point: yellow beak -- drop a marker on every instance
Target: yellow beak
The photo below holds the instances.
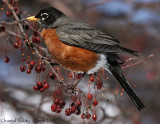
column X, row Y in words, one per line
column 32, row 18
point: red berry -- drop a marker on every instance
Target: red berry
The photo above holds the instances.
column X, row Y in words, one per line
column 78, row 76
column 20, row 43
column 70, row 75
column 21, row 49
column 99, row 85
column 62, row 103
column 83, row 116
column 42, row 90
column 92, row 79
column 2, row 28
column 28, row 61
column 8, row 14
column 16, row 45
column 39, row 84
column 32, row 63
column 51, row 75
column 6, row 59
column 46, row 85
column 56, row 101
column 95, row 102
column 35, row 87
column 58, row 110
column 36, row 40
column 54, row 107
column 30, row 67
column 35, row 33
column 15, row 8
column 38, row 69
column 28, row 71
column 88, row 115
column 78, row 103
column 89, row 96
column 22, row 68
column 68, row 112
column 72, row 104
column 94, row 117
column 78, row 112
column 73, row 109
column 23, row 59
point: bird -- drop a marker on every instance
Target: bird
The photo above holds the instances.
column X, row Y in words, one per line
column 78, row 47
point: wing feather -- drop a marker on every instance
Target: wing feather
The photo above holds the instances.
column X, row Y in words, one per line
column 84, row 36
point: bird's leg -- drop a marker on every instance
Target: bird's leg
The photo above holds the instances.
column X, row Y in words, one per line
column 73, row 76
column 72, row 88
column 47, row 58
column 50, row 60
column 53, row 64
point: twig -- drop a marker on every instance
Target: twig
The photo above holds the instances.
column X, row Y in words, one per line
column 30, row 44
column 13, row 34
column 12, row 23
column 142, row 61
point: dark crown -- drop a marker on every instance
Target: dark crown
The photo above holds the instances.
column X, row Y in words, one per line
column 49, row 10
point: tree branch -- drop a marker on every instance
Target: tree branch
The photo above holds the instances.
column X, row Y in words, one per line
column 32, row 45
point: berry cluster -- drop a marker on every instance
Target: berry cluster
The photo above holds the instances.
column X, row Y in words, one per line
column 8, row 13
column 99, row 84
column 74, row 109
column 16, row 9
column 88, row 116
column 30, row 66
column 35, row 38
column 58, row 105
column 41, row 87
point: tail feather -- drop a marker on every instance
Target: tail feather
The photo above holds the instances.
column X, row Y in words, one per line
column 118, row 74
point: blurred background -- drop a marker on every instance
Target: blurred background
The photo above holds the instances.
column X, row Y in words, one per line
column 135, row 23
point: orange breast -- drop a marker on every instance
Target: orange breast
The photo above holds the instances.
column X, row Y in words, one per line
column 69, row 57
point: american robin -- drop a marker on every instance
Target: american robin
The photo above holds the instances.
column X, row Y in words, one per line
column 79, row 47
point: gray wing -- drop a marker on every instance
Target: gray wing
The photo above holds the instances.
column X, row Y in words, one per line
column 84, row 36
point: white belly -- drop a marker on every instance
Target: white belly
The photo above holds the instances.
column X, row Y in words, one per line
column 101, row 63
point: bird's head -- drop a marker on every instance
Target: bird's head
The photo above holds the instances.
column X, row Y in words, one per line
column 47, row 16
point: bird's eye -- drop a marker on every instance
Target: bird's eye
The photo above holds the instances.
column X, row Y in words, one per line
column 44, row 15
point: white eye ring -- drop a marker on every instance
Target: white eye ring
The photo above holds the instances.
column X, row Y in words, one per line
column 44, row 16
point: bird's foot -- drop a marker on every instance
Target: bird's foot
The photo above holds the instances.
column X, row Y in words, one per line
column 49, row 60
column 71, row 89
